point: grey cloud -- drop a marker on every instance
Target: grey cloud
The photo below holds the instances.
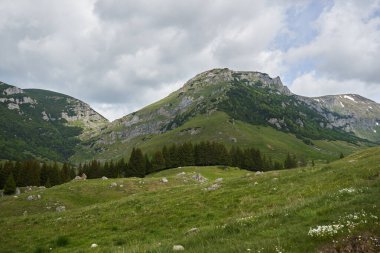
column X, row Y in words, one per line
column 123, row 55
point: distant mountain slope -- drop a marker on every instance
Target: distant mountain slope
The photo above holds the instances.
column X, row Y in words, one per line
column 42, row 124
column 350, row 112
column 252, row 98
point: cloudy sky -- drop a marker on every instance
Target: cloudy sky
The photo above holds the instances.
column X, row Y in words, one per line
column 119, row 56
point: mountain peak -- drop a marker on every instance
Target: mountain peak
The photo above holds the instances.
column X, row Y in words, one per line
column 218, row 75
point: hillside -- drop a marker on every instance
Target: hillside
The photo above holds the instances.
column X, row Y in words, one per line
column 42, row 124
column 311, row 209
column 242, row 108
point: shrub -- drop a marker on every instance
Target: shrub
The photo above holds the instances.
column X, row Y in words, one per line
column 10, row 185
column 62, row 241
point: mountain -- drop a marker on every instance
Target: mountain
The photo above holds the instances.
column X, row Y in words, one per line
column 246, row 109
column 42, row 124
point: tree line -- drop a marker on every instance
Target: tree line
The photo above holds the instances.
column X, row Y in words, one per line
column 34, row 172
column 186, row 154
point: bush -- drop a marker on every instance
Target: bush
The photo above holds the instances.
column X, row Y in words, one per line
column 10, row 185
column 62, row 241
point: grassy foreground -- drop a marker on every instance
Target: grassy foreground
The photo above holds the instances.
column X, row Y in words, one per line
column 299, row 210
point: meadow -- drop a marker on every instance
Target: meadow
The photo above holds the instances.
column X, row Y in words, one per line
column 305, row 209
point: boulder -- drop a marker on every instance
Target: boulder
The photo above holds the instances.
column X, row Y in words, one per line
column 164, row 180
column 178, row 248
column 104, row 178
column 114, row 184
column 213, row 187
column 218, row 180
column 200, row 178
column 94, row 245
column 82, row 177
column 17, row 191
column 181, row 174
column 60, row 209
column 31, row 197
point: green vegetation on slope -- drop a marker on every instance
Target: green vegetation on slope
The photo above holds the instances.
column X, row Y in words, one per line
column 273, row 210
column 33, row 124
column 24, row 137
column 219, row 127
column 256, row 105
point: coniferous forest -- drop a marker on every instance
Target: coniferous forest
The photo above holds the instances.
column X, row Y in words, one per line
column 33, row 172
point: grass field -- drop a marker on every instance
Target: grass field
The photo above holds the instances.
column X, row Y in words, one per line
column 277, row 211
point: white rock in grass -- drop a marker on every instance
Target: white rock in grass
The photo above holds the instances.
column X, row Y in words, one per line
column 218, row 180
column 199, row 178
column 212, row 187
column 181, row 174
column 33, row 197
column 178, row 248
column 164, row 180
column 60, row 209
column 104, row 178
column 192, row 231
column 94, row 245
column 114, row 184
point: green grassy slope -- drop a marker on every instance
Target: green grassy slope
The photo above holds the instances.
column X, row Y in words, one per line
column 219, row 127
column 25, row 134
column 258, row 212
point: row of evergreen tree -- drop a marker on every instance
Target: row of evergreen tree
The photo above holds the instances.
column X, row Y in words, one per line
column 34, row 172
column 186, row 154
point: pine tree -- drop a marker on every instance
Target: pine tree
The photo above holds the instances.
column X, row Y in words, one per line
column 148, row 165
column 6, row 170
column 158, row 161
column 185, row 154
column 3, row 178
column 290, row 161
column 47, row 183
column 10, row 185
column 174, row 158
column 65, row 173
column 44, row 174
column 166, row 155
column 136, row 164
column 54, row 174
column 120, row 168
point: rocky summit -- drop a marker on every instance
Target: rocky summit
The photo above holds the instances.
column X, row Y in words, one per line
column 224, row 97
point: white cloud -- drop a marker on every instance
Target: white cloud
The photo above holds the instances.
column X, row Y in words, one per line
column 348, row 42
column 311, row 84
column 119, row 56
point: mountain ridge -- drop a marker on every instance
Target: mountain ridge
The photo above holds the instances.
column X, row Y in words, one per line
column 269, row 104
column 239, row 105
